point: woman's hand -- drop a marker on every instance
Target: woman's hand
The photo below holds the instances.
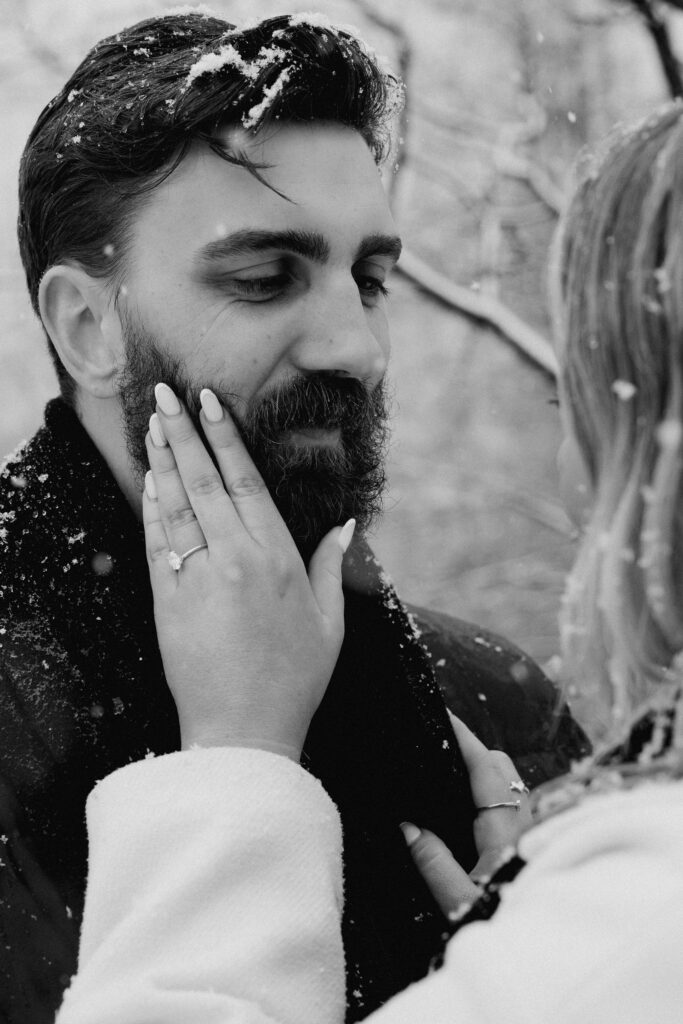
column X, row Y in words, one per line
column 493, row 780
column 248, row 638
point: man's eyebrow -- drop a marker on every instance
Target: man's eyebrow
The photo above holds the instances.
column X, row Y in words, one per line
column 380, row 245
column 250, row 241
column 310, row 244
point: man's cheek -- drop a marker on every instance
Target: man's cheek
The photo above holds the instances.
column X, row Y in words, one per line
column 383, row 339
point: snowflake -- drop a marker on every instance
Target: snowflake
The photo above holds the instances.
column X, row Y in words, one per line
column 269, row 94
column 624, row 390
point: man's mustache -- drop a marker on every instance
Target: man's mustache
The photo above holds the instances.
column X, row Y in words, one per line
column 319, row 401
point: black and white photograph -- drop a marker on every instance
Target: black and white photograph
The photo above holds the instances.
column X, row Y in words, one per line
column 341, row 512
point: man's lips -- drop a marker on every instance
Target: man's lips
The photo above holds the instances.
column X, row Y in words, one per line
column 313, row 437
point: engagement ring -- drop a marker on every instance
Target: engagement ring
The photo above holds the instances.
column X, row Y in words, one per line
column 517, row 786
column 514, row 804
column 176, row 561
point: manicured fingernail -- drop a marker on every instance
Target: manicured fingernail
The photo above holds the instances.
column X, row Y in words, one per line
column 166, row 400
column 213, row 410
column 150, row 486
column 411, row 833
column 346, row 534
column 156, row 432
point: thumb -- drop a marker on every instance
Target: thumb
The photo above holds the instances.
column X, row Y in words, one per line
column 448, row 883
column 324, row 573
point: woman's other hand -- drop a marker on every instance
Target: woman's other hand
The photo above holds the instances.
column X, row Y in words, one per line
column 248, row 638
column 494, row 780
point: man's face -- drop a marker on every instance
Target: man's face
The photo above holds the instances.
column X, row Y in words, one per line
column 275, row 302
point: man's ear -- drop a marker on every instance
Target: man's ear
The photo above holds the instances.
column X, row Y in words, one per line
column 76, row 310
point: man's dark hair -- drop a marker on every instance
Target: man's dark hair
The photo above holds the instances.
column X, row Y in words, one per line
column 130, row 111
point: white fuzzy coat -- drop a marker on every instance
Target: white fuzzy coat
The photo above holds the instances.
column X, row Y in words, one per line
column 215, row 895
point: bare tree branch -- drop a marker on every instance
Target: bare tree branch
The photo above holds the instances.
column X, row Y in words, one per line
column 466, row 122
column 518, row 165
column 454, row 120
column 506, row 160
column 660, row 34
column 404, row 56
column 512, row 165
column 462, row 188
column 525, row 338
column 490, row 236
column 538, row 180
column 479, row 307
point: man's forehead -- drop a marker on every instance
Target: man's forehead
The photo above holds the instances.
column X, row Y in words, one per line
column 318, row 180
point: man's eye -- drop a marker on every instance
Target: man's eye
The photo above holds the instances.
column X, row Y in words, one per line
column 372, row 287
column 261, row 287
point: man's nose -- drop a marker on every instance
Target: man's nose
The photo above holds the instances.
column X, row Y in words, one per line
column 338, row 338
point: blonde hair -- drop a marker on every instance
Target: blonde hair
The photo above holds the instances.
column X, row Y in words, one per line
column 618, row 295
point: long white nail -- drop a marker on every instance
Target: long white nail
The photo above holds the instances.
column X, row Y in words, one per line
column 213, row 409
column 346, row 535
column 166, row 400
column 150, row 486
column 156, row 432
column 411, row 833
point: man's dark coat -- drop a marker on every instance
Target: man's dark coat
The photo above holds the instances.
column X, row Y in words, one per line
column 82, row 692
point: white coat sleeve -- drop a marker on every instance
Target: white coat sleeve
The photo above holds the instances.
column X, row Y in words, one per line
column 590, row 931
column 214, row 895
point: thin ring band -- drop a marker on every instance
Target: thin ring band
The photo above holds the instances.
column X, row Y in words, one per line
column 504, row 803
column 176, row 561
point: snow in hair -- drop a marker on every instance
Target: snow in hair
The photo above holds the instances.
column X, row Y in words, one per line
column 227, row 56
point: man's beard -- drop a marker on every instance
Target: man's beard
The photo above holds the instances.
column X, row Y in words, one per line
column 314, row 487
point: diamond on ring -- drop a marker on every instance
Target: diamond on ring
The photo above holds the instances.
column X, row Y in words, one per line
column 517, row 786
column 176, row 561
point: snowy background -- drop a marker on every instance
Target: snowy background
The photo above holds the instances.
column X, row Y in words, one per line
column 502, row 96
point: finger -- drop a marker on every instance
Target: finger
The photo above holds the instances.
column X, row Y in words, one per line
column 498, row 780
column 244, row 483
column 156, row 542
column 496, row 831
column 471, row 747
column 325, row 576
column 486, row 782
column 503, row 785
column 448, row 883
column 189, row 485
column 175, row 508
column 493, row 774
